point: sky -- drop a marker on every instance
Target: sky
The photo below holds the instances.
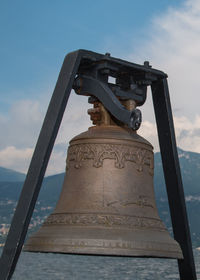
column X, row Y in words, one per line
column 36, row 35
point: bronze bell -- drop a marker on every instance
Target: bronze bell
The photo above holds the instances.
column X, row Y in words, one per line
column 107, row 204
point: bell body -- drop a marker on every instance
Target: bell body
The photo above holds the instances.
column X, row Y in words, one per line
column 107, row 204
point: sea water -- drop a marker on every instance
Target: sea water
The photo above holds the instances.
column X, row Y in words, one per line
column 40, row 266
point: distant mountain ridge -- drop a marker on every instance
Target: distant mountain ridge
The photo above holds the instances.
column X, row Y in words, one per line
column 190, row 171
column 49, row 194
column 9, row 175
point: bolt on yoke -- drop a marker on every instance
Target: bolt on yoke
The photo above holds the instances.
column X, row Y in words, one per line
column 131, row 81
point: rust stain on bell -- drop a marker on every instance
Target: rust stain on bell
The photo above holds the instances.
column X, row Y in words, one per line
column 107, row 204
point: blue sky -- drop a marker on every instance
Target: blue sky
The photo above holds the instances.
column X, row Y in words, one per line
column 36, row 35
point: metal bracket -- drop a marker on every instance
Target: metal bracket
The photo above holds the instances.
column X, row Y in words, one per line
column 99, row 67
column 92, row 80
column 87, row 86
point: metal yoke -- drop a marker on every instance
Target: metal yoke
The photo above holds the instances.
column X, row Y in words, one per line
column 88, row 72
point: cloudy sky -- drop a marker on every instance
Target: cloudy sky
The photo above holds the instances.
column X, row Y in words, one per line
column 35, row 37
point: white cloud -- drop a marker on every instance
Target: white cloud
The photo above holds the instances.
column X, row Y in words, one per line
column 173, row 46
column 22, row 126
column 187, row 133
column 17, row 159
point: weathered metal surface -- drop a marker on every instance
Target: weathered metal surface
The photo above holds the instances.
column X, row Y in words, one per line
column 107, row 204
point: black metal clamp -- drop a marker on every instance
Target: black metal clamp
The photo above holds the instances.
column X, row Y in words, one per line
column 92, row 80
column 87, row 72
column 85, row 85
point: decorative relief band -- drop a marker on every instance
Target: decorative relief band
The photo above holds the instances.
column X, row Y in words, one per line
column 104, row 220
column 120, row 153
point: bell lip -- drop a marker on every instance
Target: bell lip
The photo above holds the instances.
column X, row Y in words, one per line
column 164, row 255
column 111, row 132
column 74, row 242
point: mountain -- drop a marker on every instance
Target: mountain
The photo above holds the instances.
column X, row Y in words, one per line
column 9, row 195
column 8, row 175
column 50, row 188
column 190, row 171
column 49, row 194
